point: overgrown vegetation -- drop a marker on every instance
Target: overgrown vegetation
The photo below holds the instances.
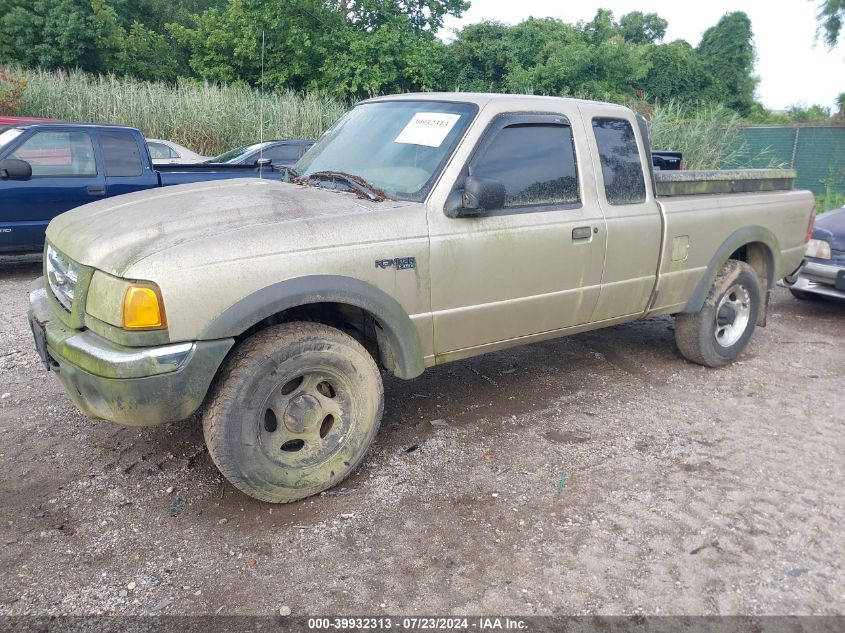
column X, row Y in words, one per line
column 211, row 118
column 206, row 117
column 708, row 135
column 358, row 48
column 832, row 196
column 11, row 92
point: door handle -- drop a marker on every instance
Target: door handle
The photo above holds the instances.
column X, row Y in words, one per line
column 582, row 232
column 95, row 190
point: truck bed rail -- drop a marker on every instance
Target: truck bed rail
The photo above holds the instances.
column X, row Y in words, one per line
column 694, row 183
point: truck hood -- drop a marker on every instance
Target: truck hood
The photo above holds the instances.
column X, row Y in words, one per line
column 830, row 227
column 113, row 234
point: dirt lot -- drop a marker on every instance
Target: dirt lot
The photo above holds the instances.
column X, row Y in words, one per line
column 596, row 474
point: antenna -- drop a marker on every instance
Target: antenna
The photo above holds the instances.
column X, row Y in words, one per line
column 261, row 114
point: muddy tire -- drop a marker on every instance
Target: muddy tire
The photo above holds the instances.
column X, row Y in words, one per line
column 717, row 334
column 293, row 412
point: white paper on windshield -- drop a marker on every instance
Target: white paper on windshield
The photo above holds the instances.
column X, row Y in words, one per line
column 427, row 128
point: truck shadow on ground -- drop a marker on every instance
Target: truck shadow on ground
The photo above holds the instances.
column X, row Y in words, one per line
column 568, row 374
column 20, row 267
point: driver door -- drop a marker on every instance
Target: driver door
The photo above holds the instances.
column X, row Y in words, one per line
column 533, row 266
column 64, row 176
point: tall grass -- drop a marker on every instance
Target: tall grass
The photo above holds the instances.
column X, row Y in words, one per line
column 208, row 118
column 709, row 136
column 212, row 118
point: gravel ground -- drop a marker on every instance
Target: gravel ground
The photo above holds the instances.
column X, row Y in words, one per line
column 600, row 474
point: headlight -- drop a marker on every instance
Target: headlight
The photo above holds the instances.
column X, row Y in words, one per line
column 131, row 305
column 818, row 249
column 62, row 275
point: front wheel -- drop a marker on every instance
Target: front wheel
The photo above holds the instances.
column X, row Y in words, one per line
column 294, row 411
column 717, row 334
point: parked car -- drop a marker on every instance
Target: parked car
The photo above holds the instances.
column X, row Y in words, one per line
column 11, row 121
column 279, row 153
column 48, row 168
column 427, row 228
column 170, row 153
column 823, row 272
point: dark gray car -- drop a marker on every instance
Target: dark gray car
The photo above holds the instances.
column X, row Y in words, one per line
column 279, row 152
column 823, row 270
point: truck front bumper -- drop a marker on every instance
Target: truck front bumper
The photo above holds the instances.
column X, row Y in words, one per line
column 136, row 386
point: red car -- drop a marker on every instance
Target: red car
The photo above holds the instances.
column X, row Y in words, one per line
column 12, row 121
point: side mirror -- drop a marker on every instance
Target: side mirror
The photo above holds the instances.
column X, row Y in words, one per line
column 264, row 162
column 480, row 196
column 15, row 169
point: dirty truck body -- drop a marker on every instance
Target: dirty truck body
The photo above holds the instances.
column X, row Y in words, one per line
column 421, row 229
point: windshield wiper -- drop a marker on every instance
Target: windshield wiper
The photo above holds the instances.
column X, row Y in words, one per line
column 371, row 192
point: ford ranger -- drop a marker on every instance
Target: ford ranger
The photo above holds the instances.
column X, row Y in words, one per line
column 421, row 229
column 46, row 169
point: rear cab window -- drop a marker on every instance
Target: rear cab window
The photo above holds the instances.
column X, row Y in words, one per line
column 121, row 155
column 621, row 167
column 534, row 157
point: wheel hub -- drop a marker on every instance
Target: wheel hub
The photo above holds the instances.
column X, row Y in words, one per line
column 303, row 414
column 732, row 315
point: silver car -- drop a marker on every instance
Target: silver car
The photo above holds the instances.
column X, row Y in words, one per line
column 170, row 153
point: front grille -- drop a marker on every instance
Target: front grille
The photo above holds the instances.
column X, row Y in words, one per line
column 62, row 275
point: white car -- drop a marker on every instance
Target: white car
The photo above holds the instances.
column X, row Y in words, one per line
column 169, row 153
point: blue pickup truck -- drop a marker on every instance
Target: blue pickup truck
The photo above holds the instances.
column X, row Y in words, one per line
column 49, row 168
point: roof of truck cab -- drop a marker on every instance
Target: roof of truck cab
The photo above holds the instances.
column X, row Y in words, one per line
column 483, row 98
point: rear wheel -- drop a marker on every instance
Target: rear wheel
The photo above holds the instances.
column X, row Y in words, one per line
column 294, row 412
column 717, row 334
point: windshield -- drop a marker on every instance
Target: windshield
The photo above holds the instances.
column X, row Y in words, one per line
column 397, row 146
column 232, row 154
column 8, row 136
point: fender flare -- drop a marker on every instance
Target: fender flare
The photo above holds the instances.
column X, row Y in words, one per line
column 736, row 240
column 399, row 332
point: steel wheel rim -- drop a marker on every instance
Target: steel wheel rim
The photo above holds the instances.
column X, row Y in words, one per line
column 732, row 315
column 305, row 419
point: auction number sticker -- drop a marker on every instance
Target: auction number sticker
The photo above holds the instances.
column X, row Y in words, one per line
column 427, row 128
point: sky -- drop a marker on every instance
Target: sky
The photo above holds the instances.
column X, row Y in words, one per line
column 792, row 66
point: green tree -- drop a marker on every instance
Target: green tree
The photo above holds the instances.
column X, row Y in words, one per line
column 675, row 72
column 727, row 55
column 146, row 55
column 591, row 59
column 831, row 16
column 89, row 34
column 393, row 58
column 808, row 114
column 225, row 45
column 642, row 28
column 345, row 47
column 479, row 57
column 51, row 34
column 422, row 15
column 601, row 28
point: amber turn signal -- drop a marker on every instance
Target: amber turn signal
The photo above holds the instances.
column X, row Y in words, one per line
column 143, row 308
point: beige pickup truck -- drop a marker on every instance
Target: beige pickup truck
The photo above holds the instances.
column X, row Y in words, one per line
column 421, row 229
